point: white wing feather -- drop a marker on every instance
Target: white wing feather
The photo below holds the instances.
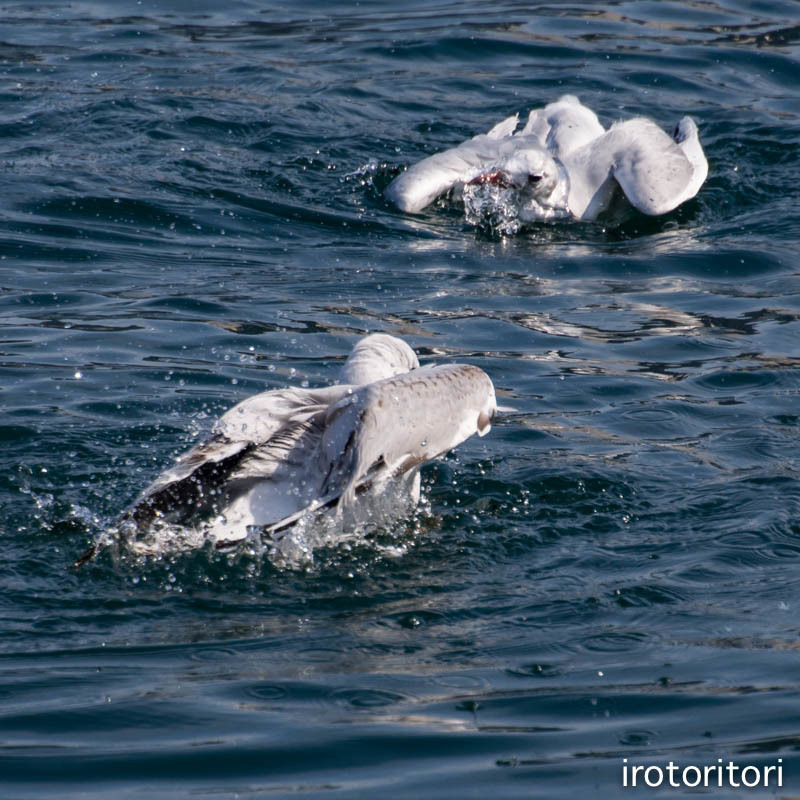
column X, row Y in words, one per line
column 563, row 126
column 650, row 167
column 504, row 128
column 417, row 187
column 688, row 139
column 258, row 418
column 423, row 182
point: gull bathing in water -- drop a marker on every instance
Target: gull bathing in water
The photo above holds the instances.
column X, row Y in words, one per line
column 563, row 164
column 282, row 455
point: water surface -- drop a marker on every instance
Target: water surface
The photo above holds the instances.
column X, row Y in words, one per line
column 191, row 212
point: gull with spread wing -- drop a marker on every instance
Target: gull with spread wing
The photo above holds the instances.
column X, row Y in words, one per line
column 564, row 164
column 281, row 455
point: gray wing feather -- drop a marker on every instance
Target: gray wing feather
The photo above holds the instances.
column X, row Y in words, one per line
column 391, row 427
column 394, row 425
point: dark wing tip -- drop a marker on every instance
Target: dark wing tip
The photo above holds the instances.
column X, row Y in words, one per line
column 84, row 558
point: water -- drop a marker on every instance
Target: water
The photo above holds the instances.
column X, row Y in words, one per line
column 192, row 212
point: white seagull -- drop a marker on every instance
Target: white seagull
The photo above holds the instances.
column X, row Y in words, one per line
column 282, row 454
column 564, row 164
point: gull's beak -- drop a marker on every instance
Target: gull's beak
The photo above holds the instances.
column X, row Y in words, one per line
column 497, row 178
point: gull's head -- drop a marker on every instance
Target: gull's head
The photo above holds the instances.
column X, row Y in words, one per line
column 530, row 171
column 376, row 357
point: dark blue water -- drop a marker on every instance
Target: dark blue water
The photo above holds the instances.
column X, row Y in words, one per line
column 191, row 212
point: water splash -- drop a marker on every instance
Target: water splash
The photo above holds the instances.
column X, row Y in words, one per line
column 378, row 522
column 493, row 209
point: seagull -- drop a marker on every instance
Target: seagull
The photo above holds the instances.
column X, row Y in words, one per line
column 563, row 165
column 282, row 455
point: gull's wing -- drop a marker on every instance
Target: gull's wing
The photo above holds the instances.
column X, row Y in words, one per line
column 378, row 432
column 247, row 442
column 688, row 139
column 394, row 425
column 563, row 126
column 256, row 419
column 651, row 168
column 422, row 183
column 504, row 128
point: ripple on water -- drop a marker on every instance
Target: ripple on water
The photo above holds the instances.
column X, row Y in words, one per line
column 535, row 671
column 615, row 641
column 649, row 415
column 637, row 738
column 367, row 698
column 213, row 654
column 268, row 692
